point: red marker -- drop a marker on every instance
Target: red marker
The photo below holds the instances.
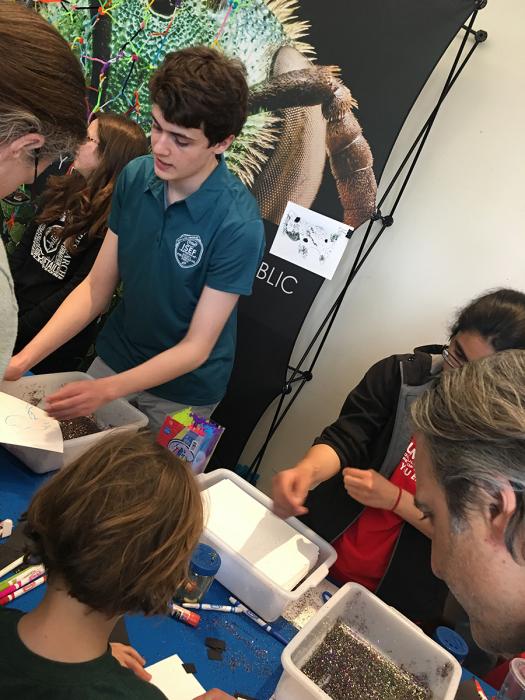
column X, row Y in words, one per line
column 25, row 589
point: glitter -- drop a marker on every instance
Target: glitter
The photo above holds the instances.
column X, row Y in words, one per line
column 301, row 611
column 345, row 666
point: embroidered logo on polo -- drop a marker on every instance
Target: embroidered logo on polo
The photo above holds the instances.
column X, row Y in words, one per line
column 188, row 250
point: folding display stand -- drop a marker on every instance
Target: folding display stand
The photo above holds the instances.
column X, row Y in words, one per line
column 303, row 371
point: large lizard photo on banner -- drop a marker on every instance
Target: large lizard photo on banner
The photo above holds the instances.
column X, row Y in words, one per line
column 301, row 113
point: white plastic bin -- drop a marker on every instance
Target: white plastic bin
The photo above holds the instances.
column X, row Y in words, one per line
column 251, row 586
column 387, row 630
column 119, row 414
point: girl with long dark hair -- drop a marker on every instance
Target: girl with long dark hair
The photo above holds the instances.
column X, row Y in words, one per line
column 59, row 249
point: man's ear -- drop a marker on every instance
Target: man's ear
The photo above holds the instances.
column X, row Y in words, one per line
column 500, row 510
column 223, row 145
column 23, row 145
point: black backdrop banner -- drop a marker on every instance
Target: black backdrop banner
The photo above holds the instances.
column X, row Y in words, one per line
column 386, row 50
column 269, row 322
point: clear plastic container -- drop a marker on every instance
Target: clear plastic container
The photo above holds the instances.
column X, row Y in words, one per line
column 513, row 687
column 205, row 563
column 244, row 581
column 116, row 415
column 390, row 632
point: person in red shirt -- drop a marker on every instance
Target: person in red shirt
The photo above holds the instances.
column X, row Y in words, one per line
column 365, row 548
column 356, row 485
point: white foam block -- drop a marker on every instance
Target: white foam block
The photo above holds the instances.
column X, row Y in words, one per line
column 255, row 533
column 170, row 677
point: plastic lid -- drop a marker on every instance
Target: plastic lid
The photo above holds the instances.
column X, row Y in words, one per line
column 452, row 642
column 205, row 561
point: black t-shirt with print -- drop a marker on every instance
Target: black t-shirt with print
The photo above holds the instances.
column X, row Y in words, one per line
column 44, row 273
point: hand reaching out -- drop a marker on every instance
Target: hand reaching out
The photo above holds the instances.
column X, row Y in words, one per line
column 130, row 658
column 289, row 491
column 370, row 488
column 79, row 398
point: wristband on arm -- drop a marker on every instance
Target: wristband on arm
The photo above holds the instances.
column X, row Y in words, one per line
column 397, row 499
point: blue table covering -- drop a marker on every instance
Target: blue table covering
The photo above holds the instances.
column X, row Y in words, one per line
column 251, row 663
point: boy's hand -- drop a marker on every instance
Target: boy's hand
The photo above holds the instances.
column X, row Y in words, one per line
column 80, row 398
column 130, row 658
column 215, row 694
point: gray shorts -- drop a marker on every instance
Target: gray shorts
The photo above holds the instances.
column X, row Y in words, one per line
column 154, row 407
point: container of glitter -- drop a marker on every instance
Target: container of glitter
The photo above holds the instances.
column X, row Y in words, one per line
column 387, row 634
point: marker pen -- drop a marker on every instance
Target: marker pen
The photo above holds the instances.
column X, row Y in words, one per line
column 259, row 621
column 11, row 566
column 210, row 606
column 4, row 600
column 16, row 582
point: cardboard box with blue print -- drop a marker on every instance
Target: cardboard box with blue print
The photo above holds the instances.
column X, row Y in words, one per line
column 190, row 437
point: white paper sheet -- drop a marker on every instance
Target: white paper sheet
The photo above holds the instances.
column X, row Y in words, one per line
column 29, row 426
column 255, row 533
column 170, row 677
column 310, row 240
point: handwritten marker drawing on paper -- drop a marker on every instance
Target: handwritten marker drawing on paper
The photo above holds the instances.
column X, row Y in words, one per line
column 29, row 426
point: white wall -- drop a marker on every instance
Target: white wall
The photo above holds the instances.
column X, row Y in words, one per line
column 459, row 229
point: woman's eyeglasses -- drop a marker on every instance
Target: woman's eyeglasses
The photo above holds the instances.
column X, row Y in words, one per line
column 451, row 359
column 36, row 156
column 20, row 196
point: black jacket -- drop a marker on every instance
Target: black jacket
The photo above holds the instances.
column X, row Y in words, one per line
column 44, row 273
column 372, row 432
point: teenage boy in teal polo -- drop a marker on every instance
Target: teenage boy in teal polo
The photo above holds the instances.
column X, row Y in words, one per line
column 186, row 238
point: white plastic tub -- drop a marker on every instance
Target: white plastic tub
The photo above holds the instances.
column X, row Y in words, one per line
column 387, row 630
column 118, row 414
column 251, row 586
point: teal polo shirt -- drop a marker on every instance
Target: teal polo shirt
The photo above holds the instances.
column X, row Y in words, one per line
column 166, row 256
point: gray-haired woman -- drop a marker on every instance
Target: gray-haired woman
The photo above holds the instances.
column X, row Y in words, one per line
column 42, row 115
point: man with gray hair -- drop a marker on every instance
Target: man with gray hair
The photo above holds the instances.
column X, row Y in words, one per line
column 470, row 465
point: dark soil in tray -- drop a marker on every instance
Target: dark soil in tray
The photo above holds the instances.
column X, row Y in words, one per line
column 78, row 427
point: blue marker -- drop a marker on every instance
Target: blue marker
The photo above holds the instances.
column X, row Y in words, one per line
column 258, row 620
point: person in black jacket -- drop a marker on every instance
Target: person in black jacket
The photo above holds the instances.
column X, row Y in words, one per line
column 368, row 510
column 58, row 250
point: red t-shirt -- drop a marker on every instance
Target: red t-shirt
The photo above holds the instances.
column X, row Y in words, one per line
column 365, row 548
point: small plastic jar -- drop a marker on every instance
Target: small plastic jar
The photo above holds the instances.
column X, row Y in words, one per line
column 513, row 687
column 205, row 562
